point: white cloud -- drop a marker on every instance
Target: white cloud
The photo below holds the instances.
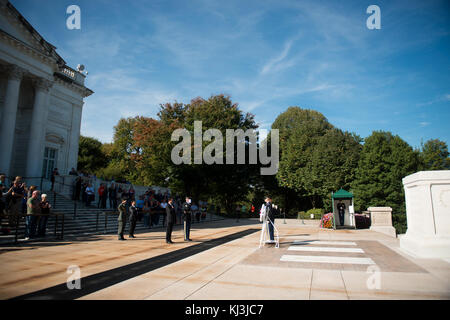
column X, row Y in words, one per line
column 275, row 61
column 441, row 98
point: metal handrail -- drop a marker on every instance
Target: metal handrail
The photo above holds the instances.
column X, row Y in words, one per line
column 55, row 214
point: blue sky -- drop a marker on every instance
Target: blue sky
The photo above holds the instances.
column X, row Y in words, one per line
column 267, row 55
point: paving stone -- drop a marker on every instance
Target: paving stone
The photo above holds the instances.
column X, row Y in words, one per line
column 237, row 269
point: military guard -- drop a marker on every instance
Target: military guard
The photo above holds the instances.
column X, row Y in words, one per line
column 122, row 219
column 187, row 216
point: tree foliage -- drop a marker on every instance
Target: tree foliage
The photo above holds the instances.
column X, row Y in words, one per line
column 315, row 157
column 145, row 150
column 385, row 160
column 90, row 155
column 434, row 155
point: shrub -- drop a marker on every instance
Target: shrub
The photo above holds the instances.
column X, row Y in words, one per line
column 307, row 215
column 399, row 222
column 301, row 215
column 318, row 213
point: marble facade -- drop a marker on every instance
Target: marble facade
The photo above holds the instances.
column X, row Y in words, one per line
column 41, row 101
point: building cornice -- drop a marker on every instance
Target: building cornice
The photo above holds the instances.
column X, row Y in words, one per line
column 13, row 71
column 83, row 91
column 20, row 22
column 27, row 49
column 63, row 74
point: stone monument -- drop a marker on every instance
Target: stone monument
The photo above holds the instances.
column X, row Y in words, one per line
column 427, row 195
column 381, row 220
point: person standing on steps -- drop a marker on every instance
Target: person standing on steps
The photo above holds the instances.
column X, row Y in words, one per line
column 43, row 219
column 187, row 216
column 171, row 217
column 33, row 209
column 112, row 194
column 122, row 219
column 52, row 177
column 78, row 188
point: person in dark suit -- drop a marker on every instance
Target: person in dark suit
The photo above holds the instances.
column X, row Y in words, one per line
column 122, row 219
column 171, row 217
column 112, row 194
column 133, row 218
column 341, row 211
column 187, row 216
column 78, row 188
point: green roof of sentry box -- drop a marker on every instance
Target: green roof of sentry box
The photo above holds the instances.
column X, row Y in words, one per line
column 342, row 194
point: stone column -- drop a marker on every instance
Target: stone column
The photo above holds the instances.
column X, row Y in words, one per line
column 381, row 220
column 427, row 196
column 8, row 121
column 74, row 135
column 37, row 128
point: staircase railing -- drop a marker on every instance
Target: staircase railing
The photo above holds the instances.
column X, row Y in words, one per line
column 17, row 219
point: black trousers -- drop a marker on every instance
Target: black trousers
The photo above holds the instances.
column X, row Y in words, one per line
column 132, row 226
column 121, row 228
column 169, row 231
column 187, row 229
column 341, row 217
column 113, row 203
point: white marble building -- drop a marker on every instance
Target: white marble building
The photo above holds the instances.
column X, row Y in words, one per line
column 41, row 101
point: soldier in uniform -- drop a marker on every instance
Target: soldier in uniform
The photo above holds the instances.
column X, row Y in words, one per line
column 122, row 219
column 341, row 211
column 268, row 209
column 187, row 212
column 133, row 218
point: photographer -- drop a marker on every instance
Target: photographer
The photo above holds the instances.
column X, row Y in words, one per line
column 14, row 200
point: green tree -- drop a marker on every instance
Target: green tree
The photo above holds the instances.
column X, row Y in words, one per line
column 315, row 157
column 434, row 155
column 299, row 130
column 384, row 161
column 332, row 164
column 90, row 155
column 121, row 151
column 225, row 183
